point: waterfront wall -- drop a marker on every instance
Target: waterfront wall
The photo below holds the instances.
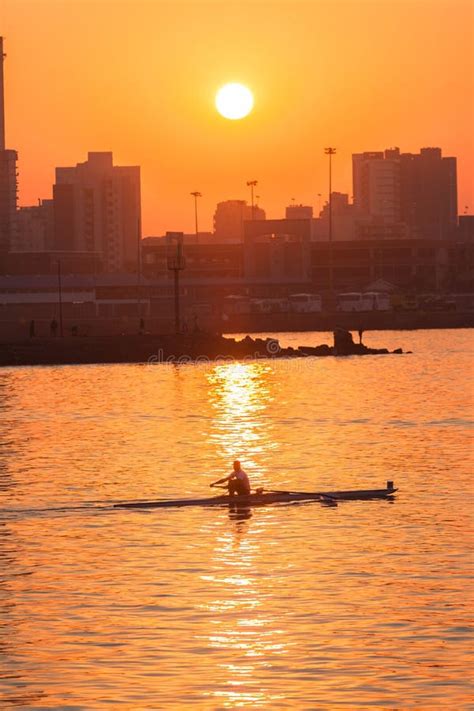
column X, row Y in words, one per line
column 19, row 329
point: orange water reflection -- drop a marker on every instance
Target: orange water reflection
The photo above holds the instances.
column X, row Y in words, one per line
column 244, row 630
column 240, row 396
column 363, row 605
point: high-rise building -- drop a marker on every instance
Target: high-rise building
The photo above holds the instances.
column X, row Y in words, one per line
column 97, row 209
column 376, row 184
column 8, row 175
column 418, row 190
column 34, row 228
column 229, row 219
column 428, row 193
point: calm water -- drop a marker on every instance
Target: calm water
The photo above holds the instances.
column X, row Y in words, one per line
column 290, row 606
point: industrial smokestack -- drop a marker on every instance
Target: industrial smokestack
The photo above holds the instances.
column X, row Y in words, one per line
column 2, row 99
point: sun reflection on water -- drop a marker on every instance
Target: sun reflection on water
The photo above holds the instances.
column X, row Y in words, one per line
column 240, row 395
column 243, row 630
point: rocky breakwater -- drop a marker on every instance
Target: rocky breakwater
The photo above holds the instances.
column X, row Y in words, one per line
column 270, row 348
column 155, row 349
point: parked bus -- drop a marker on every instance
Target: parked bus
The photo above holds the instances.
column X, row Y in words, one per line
column 270, row 306
column 305, row 303
column 351, row 301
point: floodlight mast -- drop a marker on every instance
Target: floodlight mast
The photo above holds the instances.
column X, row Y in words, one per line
column 176, row 264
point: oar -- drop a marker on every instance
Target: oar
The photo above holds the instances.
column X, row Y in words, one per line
column 219, row 481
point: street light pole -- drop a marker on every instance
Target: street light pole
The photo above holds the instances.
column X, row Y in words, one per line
column 330, row 152
column 252, row 184
column 176, row 263
column 60, row 300
column 139, row 275
column 196, row 194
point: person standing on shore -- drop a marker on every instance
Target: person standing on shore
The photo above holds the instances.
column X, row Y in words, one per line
column 361, row 333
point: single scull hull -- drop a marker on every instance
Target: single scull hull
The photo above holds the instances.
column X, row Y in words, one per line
column 264, row 498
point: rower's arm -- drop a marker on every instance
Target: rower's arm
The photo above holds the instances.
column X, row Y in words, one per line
column 221, row 481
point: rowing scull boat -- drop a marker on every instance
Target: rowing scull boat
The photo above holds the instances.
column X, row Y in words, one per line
column 266, row 497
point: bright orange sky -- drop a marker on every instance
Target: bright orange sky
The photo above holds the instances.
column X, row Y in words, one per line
column 138, row 77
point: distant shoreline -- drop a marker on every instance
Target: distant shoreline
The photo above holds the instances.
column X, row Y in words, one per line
column 150, row 349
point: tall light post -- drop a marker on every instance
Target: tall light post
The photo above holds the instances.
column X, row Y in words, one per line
column 139, row 274
column 176, row 263
column 196, row 194
column 252, row 184
column 60, row 300
column 330, row 152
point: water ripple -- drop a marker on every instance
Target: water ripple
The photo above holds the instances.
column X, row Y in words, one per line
column 366, row 605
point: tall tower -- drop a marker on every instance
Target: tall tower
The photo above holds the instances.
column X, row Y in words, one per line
column 8, row 173
column 2, row 99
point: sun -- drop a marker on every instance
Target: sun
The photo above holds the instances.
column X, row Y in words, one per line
column 234, row 101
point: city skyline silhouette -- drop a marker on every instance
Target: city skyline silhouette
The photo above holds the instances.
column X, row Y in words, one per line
column 141, row 80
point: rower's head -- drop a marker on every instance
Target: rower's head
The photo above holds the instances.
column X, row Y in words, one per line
column 236, row 465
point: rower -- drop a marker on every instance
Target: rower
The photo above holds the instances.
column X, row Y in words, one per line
column 237, row 481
